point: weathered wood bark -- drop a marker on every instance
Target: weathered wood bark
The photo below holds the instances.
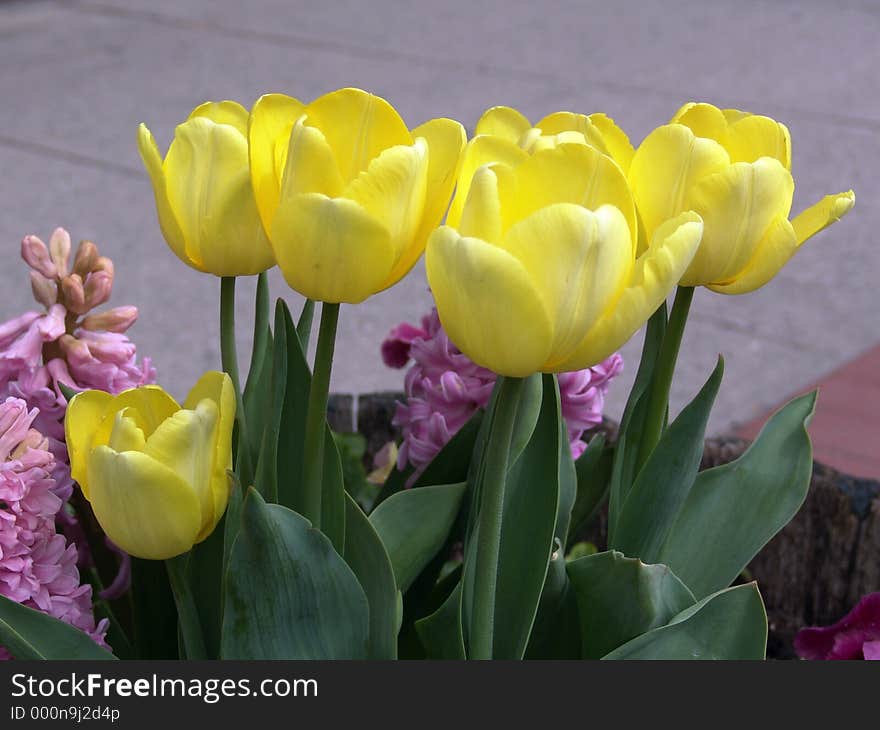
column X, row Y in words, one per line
column 812, row 573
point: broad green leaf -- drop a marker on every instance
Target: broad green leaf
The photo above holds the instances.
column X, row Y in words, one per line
column 730, row 624
column 366, row 556
column 304, row 324
column 333, row 494
column 440, row 633
column 619, row 598
column 531, row 502
column 256, row 391
column 292, row 423
column 626, row 450
column 557, row 632
column 735, row 509
column 289, row 595
column 665, row 480
column 414, row 524
column 31, row 634
column 154, row 615
column 527, row 413
column 204, row 573
column 593, row 471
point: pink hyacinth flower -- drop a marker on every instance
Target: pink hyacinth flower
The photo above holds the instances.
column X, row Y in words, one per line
column 444, row 388
column 38, row 568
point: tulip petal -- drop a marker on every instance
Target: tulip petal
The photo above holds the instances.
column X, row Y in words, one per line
column 358, row 126
column 217, row 387
column 664, row 168
column 577, row 174
column 223, row 112
column 309, row 165
column 504, row 122
column 142, row 505
column 488, row 304
column 271, row 119
column 185, row 443
column 578, row 260
column 331, row 249
column 737, row 206
column 777, row 246
column 616, row 140
column 481, row 217
column 822, row 214
column 704, row 120
column 654, row 275
column 561, row 122
column 392, row 190
column 85, row 412
column 126, row 434
column 446, row 140
column 168, row 223
column 482, row 150
column 209, row 187
column 754, row 136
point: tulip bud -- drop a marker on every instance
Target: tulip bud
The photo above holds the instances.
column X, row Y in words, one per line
column 44, row 290
column 97, row 289
column 74, row 295
column 86, row 257
column 113, row 320
column 59, row 247
column 35, row 253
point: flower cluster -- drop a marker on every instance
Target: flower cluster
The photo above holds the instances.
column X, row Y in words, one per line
column 444, row 388
column 67, row 343
column 37, row 564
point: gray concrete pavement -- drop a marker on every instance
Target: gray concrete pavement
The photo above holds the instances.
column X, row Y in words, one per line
column 78, row 76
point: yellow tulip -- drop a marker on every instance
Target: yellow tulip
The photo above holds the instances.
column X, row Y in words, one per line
column 154, row 473
column 734, row 169
column 347, row 193
column 204, row 199
column 541, row 270
column 504, row 135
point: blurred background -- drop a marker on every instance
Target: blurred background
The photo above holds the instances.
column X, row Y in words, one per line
column 79, row 75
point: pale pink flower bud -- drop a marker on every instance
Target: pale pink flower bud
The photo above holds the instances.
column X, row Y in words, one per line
column 36, row 255
column 103, row 264
column 113, row 320
column 59, row 247
column 74, row 294
column 45, row 291
column 86, row 258
column 98, row 287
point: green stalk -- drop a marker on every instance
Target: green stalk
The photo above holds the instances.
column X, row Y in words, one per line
column 661, row 382
column 496, row 460
column 229, row 360
column 316, row 416
column 187, row 613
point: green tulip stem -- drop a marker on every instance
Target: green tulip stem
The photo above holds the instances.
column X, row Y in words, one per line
column 497, row 456
column 187, row 613
column 229, row 360
column 316, row 416
column 661, row 382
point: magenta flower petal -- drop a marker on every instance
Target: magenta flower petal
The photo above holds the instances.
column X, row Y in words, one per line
column 845, row 639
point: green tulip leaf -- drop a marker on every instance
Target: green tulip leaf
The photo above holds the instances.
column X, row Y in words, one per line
column 527, row 413
column 530, row 511
column 557, row 632
column 333, row 494
column 31, row 634
column 288, row 593
column 730, row 624
column 450, row 466
column 665, row 480
column 366, row 556
column 154, row 615
column 414, row 524
column 440, row 633
column 631, row 424
column 619, row 598
column 735, row 509
column 593, row 472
